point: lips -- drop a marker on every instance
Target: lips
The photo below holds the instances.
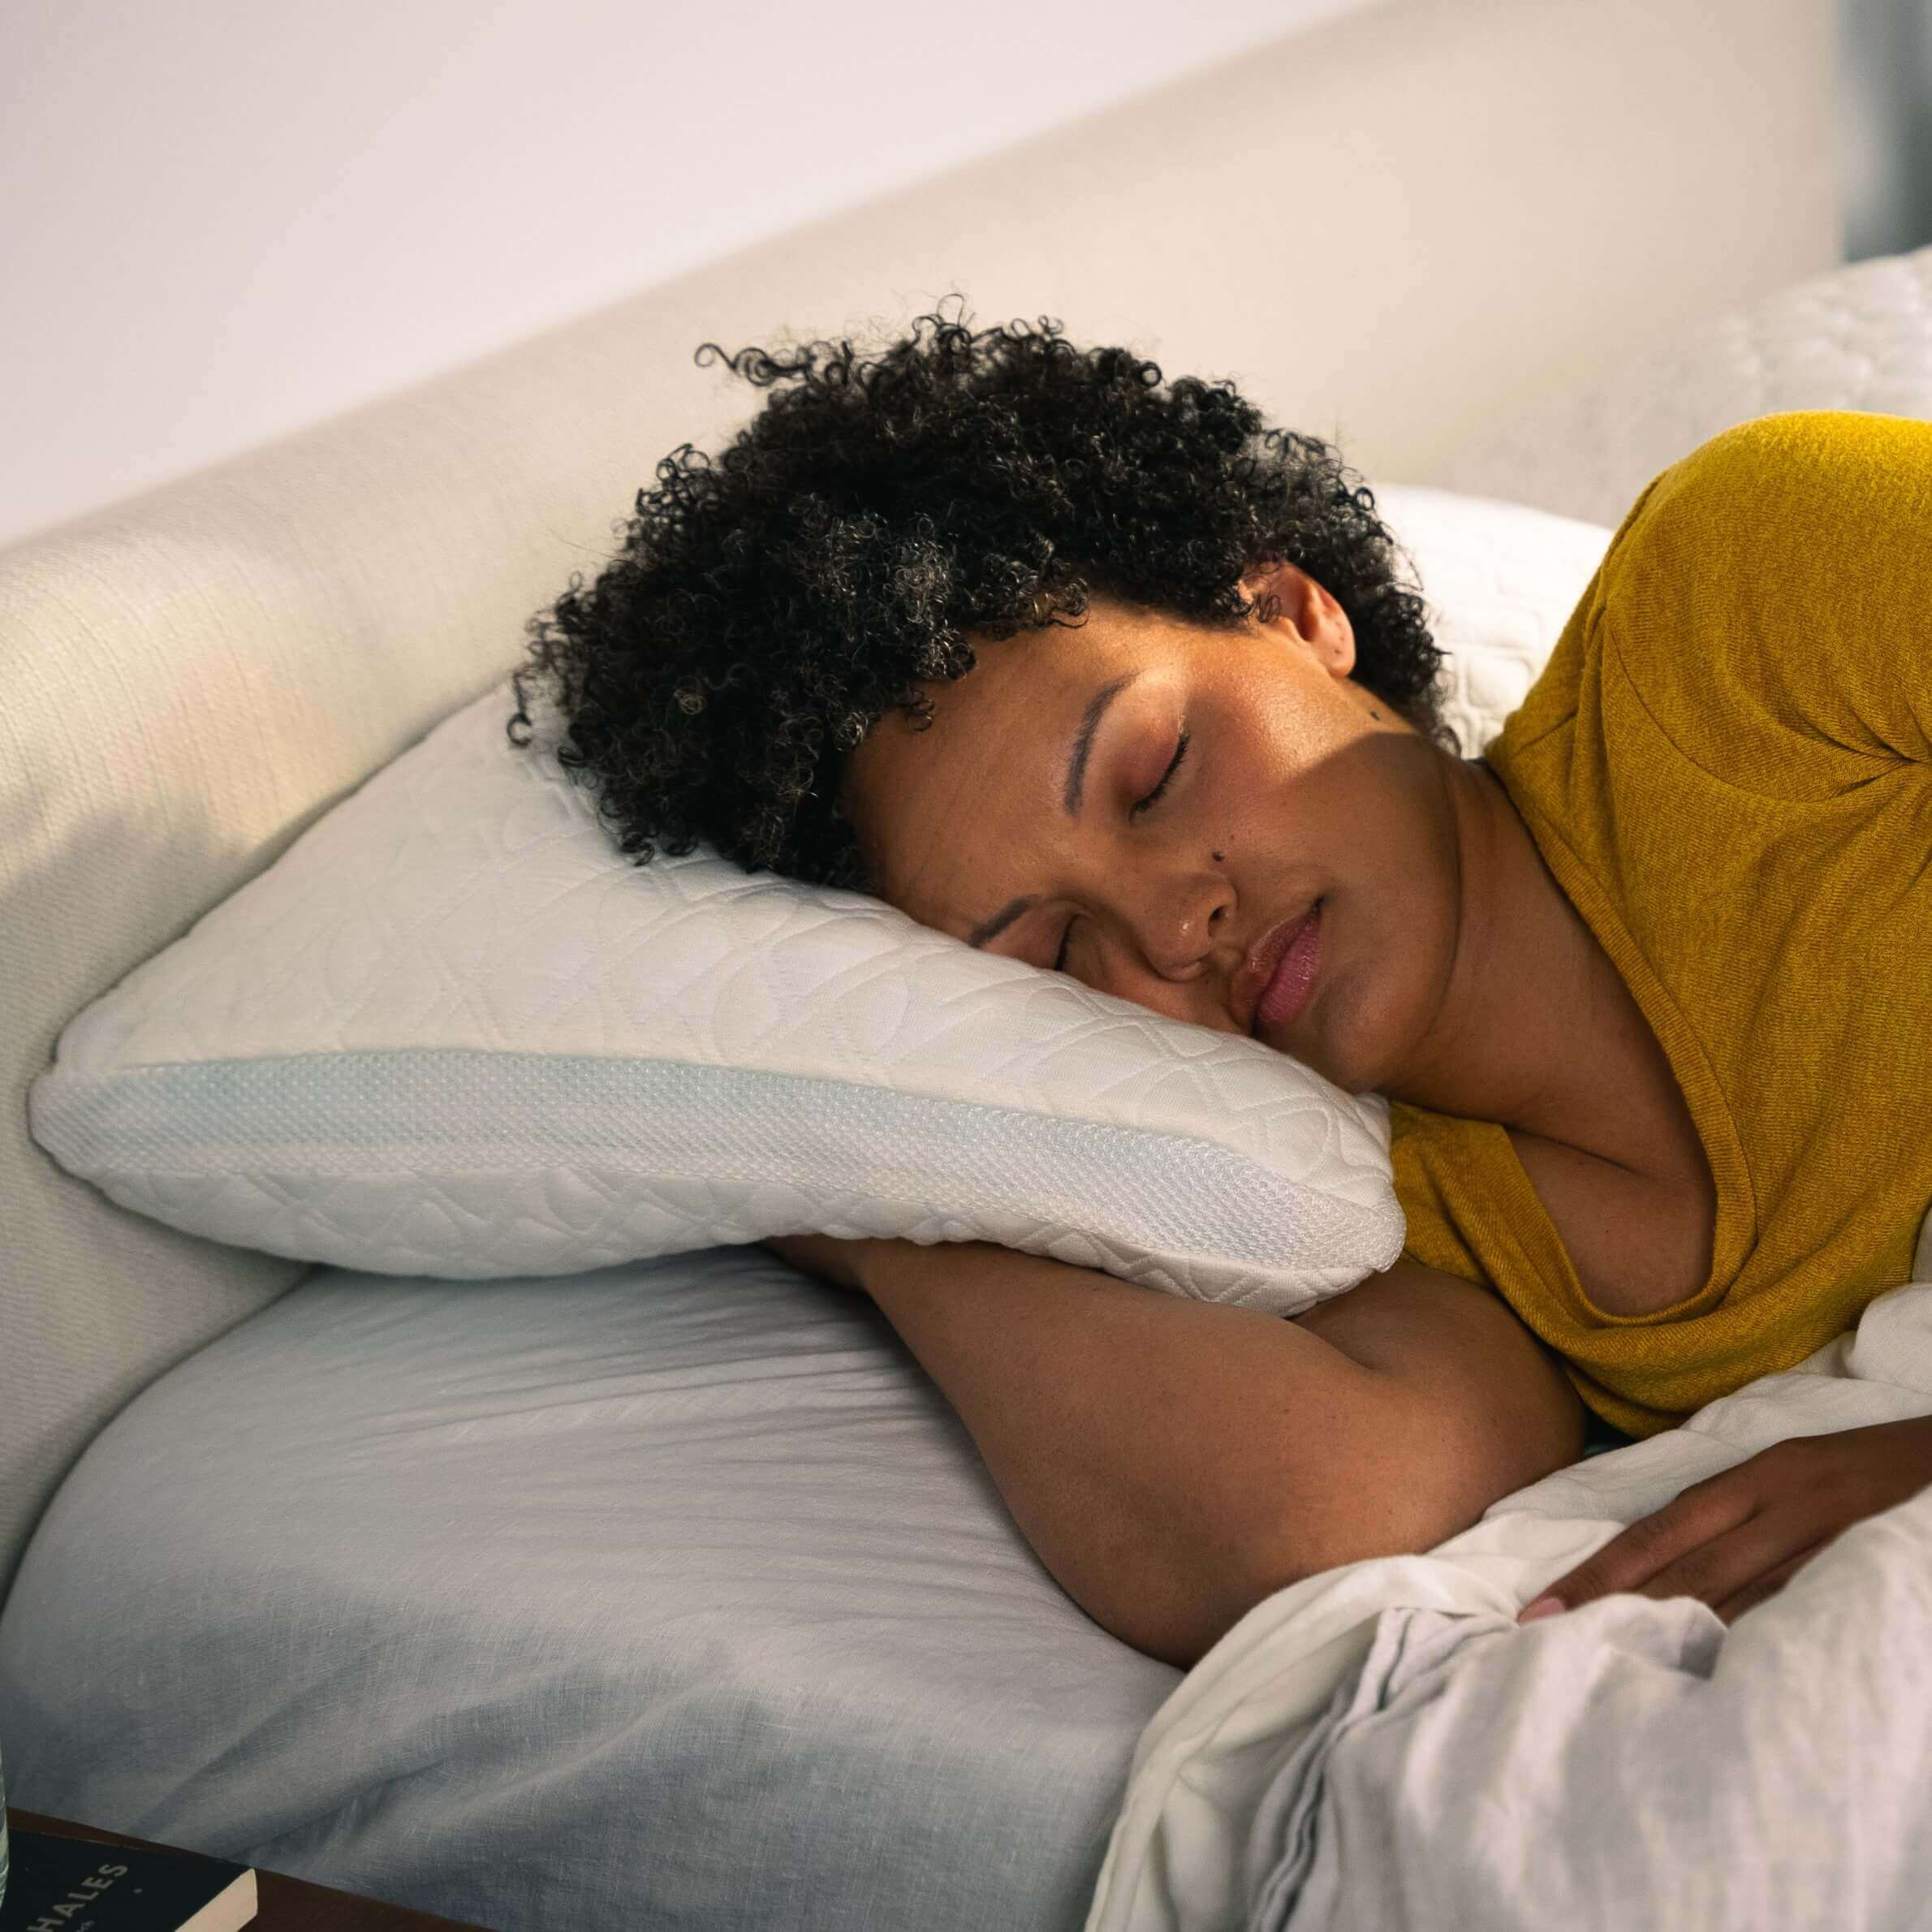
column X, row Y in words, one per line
column 1259, row 967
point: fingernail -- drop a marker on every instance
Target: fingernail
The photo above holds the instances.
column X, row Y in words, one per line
column 1543, row 1607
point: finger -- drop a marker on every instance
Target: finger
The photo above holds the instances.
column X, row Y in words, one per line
column 1701, row 1513
column 1714, row 1571
column 1769, row 1584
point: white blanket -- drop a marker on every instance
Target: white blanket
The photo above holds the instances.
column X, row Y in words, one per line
column 1382, row 1746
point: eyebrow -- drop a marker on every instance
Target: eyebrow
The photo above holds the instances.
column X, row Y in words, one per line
column 1083, row 739
column 991, row 928
column 1070, row 798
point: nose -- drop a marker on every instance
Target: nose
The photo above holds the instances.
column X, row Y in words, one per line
column 1181, row 920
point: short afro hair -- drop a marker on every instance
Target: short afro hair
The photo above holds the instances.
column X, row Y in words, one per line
column 768, row 607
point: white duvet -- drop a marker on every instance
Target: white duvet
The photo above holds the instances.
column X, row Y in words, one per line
column 1382, row 1746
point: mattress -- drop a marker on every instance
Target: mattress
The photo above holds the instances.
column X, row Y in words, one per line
column 672, row 1593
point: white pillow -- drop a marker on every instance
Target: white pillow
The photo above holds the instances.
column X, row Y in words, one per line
column 453, row 1032
column 1500, row 579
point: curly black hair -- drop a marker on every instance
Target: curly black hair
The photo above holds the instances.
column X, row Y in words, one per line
column 768, row 608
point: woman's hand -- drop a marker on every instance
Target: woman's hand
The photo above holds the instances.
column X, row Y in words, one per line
column 1738, row 1537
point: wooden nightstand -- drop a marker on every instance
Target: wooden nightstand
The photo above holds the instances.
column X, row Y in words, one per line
column 286, row 1904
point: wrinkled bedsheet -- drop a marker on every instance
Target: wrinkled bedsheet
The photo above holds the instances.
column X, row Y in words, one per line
column 1382, row 1746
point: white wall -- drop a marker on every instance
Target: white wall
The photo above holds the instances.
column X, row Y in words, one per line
column 220, row 219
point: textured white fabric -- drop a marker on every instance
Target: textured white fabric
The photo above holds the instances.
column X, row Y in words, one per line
column 1860, row 338
column 1640, row 1764
column 1513, row 1798
column 454, row 1031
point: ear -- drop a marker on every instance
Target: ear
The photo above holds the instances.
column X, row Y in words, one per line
column 1306, row 608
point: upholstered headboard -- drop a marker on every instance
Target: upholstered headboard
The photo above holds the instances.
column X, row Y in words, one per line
column 1386, row 229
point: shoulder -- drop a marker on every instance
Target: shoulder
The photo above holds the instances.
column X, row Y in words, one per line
column 1822, row 467
column 1759, row 601
column 1793, row 446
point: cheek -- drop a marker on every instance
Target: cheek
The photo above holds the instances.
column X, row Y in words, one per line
column 1250, row 782
column 1312, row 800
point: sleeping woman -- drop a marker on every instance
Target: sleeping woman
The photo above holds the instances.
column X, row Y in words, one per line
column 1098, row 671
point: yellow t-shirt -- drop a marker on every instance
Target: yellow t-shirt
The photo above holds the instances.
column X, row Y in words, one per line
column 1725, row 766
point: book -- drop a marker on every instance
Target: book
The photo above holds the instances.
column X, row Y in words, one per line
column 80, row 1885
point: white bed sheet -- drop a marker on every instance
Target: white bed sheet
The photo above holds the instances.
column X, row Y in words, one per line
column 670, row 1594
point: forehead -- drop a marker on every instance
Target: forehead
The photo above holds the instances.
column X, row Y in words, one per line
column 945, row 815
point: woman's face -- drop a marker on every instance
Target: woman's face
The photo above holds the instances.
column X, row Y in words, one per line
column 1140, row 801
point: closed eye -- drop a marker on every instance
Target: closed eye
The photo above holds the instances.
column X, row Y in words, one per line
column 1134, row 811
column 1180, row 752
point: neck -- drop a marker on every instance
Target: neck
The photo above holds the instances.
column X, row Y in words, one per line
column 1532, row 999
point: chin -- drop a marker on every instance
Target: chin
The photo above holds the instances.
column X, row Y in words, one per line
column 1332, row 1067
column 1311, row 1049
column 1338, row 1041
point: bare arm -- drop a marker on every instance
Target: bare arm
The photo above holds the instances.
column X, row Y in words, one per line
column 1173, row 1462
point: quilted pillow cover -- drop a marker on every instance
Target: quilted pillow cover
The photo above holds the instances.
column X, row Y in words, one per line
column 453, row 1032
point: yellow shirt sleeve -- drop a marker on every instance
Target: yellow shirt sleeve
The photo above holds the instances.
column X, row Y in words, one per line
column 1769, row 596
